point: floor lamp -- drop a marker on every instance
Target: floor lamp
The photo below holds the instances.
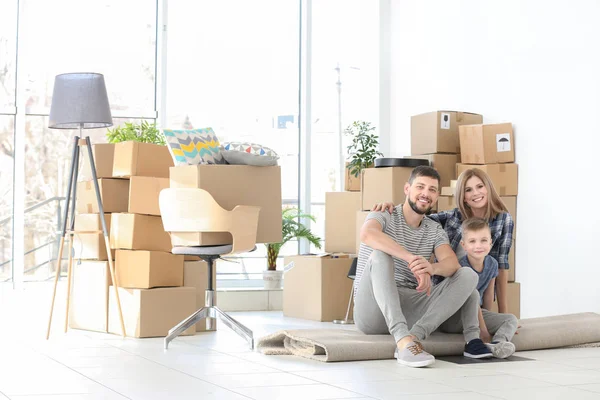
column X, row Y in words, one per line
column 80, row 101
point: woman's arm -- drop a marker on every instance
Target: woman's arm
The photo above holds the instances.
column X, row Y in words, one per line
column 488, row 295
column 505, row 243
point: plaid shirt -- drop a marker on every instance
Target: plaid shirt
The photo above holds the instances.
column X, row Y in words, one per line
column 501, row 227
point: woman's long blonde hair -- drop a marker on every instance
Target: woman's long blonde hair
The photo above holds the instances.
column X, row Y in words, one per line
column 494, row 204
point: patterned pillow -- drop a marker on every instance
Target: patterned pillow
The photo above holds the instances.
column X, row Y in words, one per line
column 194, row 146
column 244, row 153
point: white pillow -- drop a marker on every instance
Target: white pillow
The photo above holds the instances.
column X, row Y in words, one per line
column 244, row 153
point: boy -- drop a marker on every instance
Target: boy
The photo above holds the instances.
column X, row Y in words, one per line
column 477, row 243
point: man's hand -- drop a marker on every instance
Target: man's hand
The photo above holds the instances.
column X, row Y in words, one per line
column 383, row 206
column 424, row 283
column 420, row 265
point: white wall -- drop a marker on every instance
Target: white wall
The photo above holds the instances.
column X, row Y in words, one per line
column 537, row 65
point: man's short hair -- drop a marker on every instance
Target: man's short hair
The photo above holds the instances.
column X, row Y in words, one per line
column 425, row 171
column 474, row 224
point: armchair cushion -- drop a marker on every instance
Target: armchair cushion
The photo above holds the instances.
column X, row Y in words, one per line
column 194, row 146
column 244, row 153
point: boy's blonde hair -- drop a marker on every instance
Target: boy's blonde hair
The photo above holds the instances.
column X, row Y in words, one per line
column 494, row 204
column 474, row 224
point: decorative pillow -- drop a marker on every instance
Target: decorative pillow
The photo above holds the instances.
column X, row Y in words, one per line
column 194, row 146
column 243, row 153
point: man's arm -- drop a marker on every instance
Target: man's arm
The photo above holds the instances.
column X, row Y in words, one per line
column 447, row 263
column 488, row 295
column 372, row 235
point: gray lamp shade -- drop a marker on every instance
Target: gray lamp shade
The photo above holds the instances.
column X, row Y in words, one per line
column 79, row 100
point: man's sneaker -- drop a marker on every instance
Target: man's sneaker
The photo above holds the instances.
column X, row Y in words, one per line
column 476, row 349
column 501, row 349
column 414, row 356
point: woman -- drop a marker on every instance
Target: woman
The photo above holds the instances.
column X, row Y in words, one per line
column 476, row 197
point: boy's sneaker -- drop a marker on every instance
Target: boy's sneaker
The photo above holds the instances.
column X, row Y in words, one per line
column 501, row 349
column 414, row 356
column 477, row 349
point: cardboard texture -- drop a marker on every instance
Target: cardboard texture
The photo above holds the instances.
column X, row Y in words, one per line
column 114, row 194
column 230, row 186
column 141, row 159
column 91, row 223
column 444, row 164
column 514, row 300
column 89, row 296
column 340, row 221
column 511, row 203
column 143, row 194
column 437, row 132
column 103, row 160
column 316, row 288
column 383, row 185
column 141, row 269
column 503, row 176
column 151, row 312
column 195, row 275
column 487, row 144
column 138, row 232
column 360, row 220
column 351, row 182
column 447, row 191
column 446, row 203
column 90, row 246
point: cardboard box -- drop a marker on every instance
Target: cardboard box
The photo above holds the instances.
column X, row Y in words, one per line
column 316, row 288
column 511, row 203
column 340, row 221
column 143, row 194
column 195, row 274
column 230, row 186
column 138, row 232
column 141, row 159
column 142, row 269
column 103, row 160
column 89, row 296
column 503, row 176
column 514, row 300
column 151, row 312
column 91, row 223
column 444, row 164
column 361, row 216
column 487, row 144
column 446, row 203
column 90, row 246
column 114, row 194
column 437, row 132
column 384, row 185
column 351, row 182
column 447, row 191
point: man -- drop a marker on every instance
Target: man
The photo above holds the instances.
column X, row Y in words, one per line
column 393, row 290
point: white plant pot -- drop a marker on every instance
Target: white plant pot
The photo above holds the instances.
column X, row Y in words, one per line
column 272, row 279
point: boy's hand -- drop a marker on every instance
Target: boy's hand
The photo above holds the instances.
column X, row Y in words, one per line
column 383, row 206
column 485, row 336
column 420, row 265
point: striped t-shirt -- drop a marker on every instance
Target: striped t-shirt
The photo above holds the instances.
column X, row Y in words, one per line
column 420, row 241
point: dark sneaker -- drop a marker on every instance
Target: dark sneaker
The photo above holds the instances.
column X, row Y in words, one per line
column 414, row 356
column 477, row 349
column 501, row 349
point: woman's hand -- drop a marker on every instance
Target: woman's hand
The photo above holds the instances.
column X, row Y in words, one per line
column 384, row 206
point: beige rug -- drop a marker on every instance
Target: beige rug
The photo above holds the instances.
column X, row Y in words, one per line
column 351, row 345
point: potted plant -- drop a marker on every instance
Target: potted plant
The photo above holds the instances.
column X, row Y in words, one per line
column 144, row 132
column 291, row 228
column 362, row 152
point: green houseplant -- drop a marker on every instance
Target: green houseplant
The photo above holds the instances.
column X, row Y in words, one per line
column 363, row 150
column 144, row 132
column 291, row 229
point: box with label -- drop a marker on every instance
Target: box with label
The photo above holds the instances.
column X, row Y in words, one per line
column 361, row 216
column 141, row 159
column 340, row 225
column 142, row 269
column 138, row 232
column 151, row 312
column 316, row 288
column 503, row 176
column 487, row 144
column 513, row 299
column 90, row 246
column 89, row 296
column 103, row 160
column 143, row 194
column 384, row 185
column 444, row 164
column 195, row 275
column 114, row 194
column 437, row 132
column 230, row 186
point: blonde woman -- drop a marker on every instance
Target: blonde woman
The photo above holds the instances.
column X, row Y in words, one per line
column 476, row 197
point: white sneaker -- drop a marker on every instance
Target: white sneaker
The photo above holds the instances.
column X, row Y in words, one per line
column 414, row 356
column 501, row 349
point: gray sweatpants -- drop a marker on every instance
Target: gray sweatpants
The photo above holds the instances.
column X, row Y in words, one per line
column 380, row 307
column 502, row 327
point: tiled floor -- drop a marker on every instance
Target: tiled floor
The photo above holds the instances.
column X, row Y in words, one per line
column 217, row 365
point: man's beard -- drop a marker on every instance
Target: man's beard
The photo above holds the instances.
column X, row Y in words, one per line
column 416, row 209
